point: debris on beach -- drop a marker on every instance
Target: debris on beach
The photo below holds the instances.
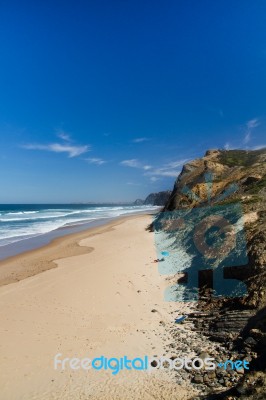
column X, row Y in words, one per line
column 180, row 319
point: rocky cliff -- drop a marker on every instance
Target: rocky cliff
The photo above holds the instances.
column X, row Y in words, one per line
column 224, row 178
column 138, row 202
column 246, row 169
column 230, row 177
column 155, row 199
column 158, row 199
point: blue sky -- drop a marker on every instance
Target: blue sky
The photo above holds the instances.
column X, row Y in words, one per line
column 105, row 100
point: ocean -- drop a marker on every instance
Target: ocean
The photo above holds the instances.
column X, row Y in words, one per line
column 25, row 222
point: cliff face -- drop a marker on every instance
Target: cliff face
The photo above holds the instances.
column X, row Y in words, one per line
column 158, row 199
column 138, row 202
column 224, row 178
column 246, row 169
column 155, row 199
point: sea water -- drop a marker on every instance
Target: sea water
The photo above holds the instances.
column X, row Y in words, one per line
column 21, row 222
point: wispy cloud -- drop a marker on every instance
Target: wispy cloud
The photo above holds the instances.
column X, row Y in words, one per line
column 67, row 146
column 250, row 125
column 178, row 163
column 140, row 140
column 247, row 132
column 96, row 161
column 64, row 136
column 253, row 123
column 258, row 147
column 247, row 138
column 164, row 172
column 154, row 179
column 71, row 150
column 170, row 169
column 134, row 163
column 227, row 146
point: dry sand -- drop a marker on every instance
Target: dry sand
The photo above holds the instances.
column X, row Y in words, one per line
column 95, row 303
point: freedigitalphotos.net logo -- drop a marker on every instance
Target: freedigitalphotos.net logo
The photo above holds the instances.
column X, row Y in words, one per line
column 146, row 363
column 201, row 243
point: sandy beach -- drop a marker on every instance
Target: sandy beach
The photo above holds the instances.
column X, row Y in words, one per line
column 94, row 297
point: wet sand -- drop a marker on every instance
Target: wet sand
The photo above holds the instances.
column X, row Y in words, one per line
column 94, row 297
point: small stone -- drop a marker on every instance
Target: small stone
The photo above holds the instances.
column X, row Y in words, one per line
column 240, row 371
column 198, row 379
column 173, row 358
column 211, row 375
column 250, row 341
column 154, row 363
column 203, row 355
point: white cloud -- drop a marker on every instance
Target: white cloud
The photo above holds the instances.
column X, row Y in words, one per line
column 164, row 172
column 133, row 163
column 97, row 161
column 247, row 138
column 177, row 163
column 154, row 179
column 253, row 123
column 250, row 125
column 140, row 140
column 64, row 136
column 169, row 169
column 71, row 150
column 227, row 146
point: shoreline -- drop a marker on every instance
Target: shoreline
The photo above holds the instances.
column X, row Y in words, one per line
column 42, row 239
column 99, row 294
column 104, row 297
column 32, row 262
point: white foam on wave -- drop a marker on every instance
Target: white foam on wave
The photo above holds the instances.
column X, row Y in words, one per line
column 44, row 221
column 43, row 215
